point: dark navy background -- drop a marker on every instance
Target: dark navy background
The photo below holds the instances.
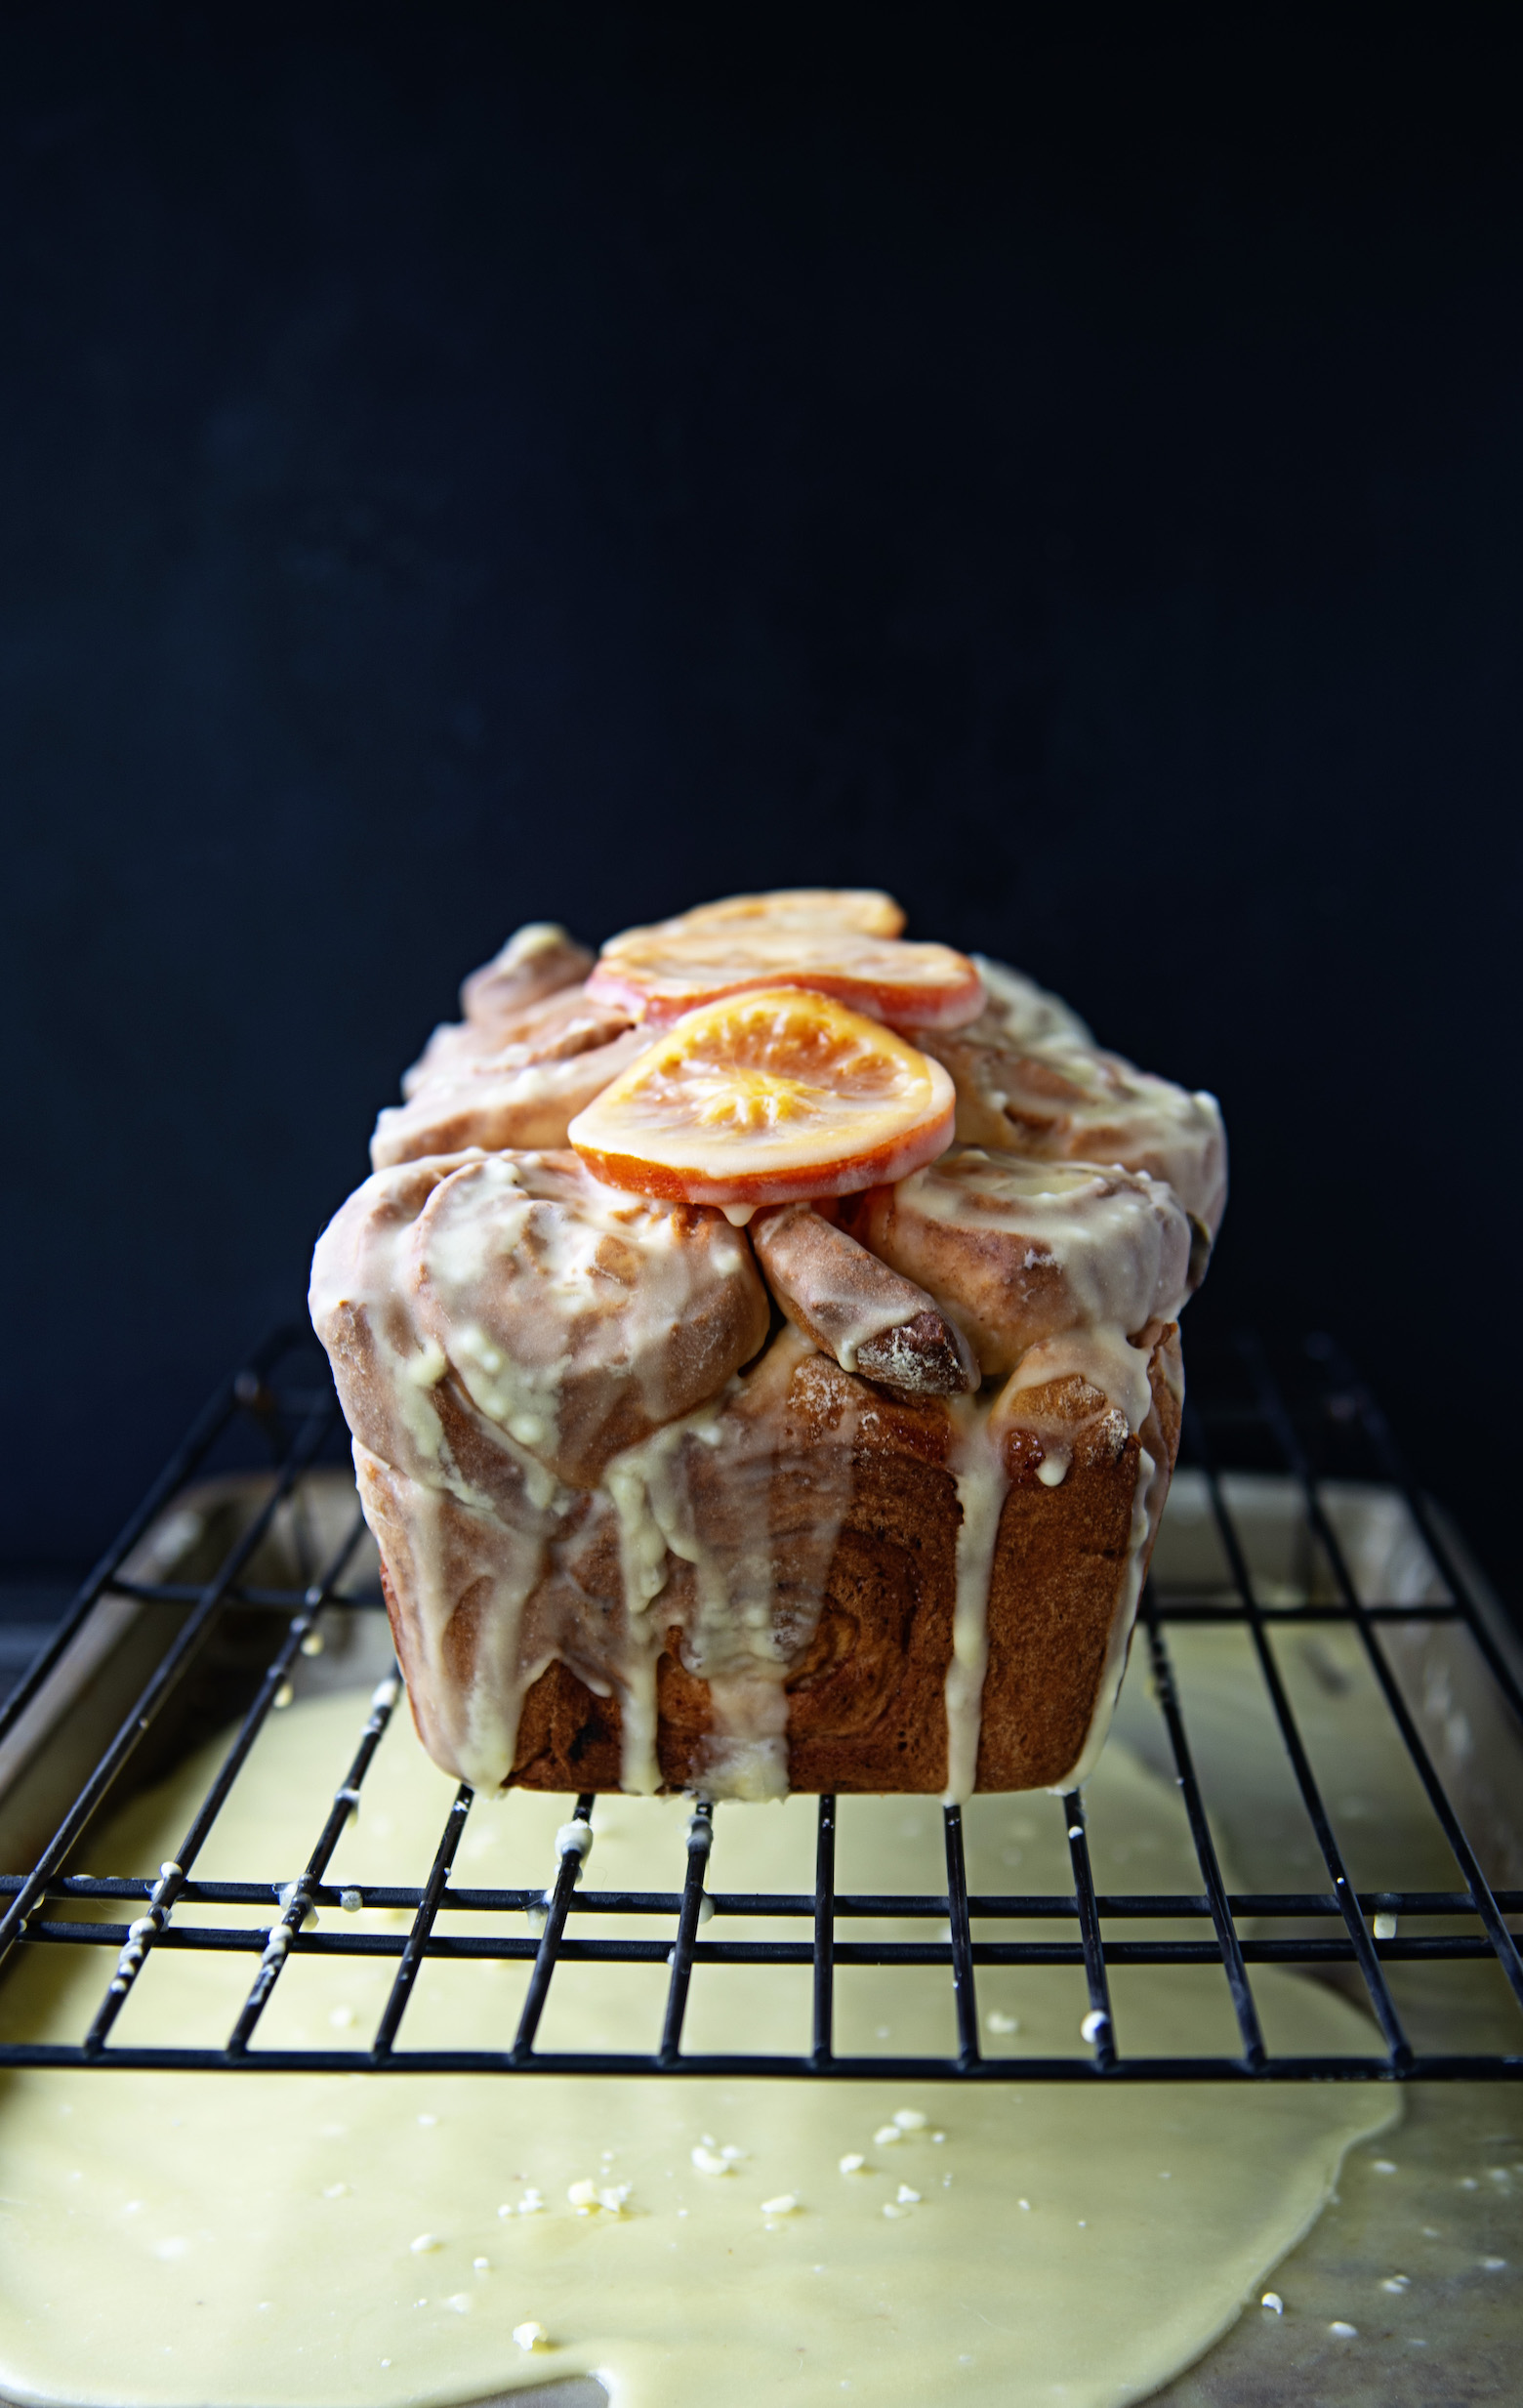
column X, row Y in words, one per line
column 467, row 464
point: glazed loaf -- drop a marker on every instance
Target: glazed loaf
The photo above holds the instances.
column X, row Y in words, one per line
column 859, row 1496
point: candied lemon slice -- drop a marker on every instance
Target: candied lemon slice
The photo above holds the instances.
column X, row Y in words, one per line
column 866, row 909
column 657, row 974
column 763, row 1096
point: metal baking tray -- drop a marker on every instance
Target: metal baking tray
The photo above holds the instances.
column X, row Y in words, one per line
column 1340, row 1602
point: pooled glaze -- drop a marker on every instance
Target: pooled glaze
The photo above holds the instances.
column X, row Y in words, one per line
column 352, row 2241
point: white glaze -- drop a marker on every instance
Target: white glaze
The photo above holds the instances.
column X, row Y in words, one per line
column 271, row 2239
column 1117, row 1241
column 438, row 1550
column 1016, row 1252
column 358, row 1280
column 536, row 1301
column 1103, row 1358
column 979, row 1469
column 1057, row 1099
column 1106, row 1363
column 740, row 1634
column 645, row 1484
column 566, row 1221
column 488, row 1099
column 858, row 1321
column 511, row 1541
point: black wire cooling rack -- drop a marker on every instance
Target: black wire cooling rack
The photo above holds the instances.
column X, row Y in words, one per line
column 1251, row 1420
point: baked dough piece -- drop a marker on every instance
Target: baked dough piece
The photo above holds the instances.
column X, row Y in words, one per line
column 642, row 1526
column 866, row 1697
column 1018, row 1251
column 536, row 961
column 1059, row 1100
column 523, row 1094
column 530, row 1051
column 552, row 1028
column 857, row 1309
column 512, row 1295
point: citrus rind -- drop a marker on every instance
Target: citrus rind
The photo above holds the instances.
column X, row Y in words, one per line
column 767, row 1096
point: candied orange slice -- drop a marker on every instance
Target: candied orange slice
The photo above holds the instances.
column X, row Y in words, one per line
column 867, row 909
column 657, row 974
column 765, row 1097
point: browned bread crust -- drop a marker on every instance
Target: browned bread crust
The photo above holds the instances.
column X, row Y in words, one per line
column 866, row 1698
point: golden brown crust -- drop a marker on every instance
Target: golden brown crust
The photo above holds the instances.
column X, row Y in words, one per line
column 866, row 1698
column 1059, row 1569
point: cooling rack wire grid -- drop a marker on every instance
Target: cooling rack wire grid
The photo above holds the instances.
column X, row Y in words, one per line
column 1249, row 1417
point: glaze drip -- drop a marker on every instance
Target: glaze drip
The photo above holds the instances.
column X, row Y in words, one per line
column 982, row 1484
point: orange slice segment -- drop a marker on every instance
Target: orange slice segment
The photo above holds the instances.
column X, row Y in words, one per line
column 867, row 909
column 765, row 1097
column 657, row 974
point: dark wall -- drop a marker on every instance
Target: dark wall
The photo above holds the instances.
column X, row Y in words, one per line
column 462, row 465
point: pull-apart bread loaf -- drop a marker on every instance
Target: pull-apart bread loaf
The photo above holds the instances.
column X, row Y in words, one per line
column 760, row 1347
